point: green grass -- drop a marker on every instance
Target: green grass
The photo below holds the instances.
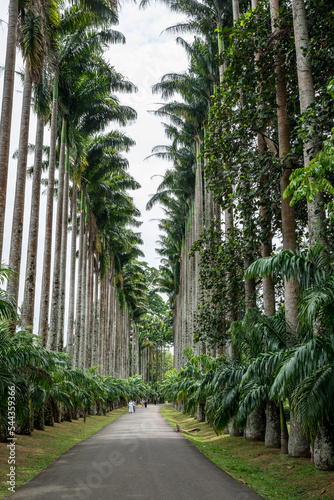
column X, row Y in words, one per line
column 34, row 453
column 265, row 470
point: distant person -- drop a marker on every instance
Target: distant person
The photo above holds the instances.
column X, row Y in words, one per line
column 130, row 406
column 145, row 403
column 155, row 400
column 134, row 407
column 142, row 402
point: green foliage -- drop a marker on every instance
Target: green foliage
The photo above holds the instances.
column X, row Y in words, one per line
column 221, row 276
column 317, row 177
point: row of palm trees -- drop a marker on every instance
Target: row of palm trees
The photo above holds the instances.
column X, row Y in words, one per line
column 257, row 106
column 69, row 83
column 272, row 368
column 44, row 385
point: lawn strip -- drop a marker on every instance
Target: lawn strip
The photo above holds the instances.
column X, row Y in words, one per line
column 265, row 470
column 34, row 453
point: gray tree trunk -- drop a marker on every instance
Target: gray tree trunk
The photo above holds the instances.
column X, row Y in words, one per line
column 288, row 213
column 63, row 259
column 6, row 109
column 46, row 275
column 54, row 316
column 28, row 306
column 79, row 290
column 256, row 425
column 70, row 322
column 273, row 426
column 324, row 446
column 18, row 215
column 236, row 11
column 96, row 317
column 82, row 355
column 306, row 98
column 298, row 445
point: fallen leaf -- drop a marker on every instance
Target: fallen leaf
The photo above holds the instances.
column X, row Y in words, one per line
column 323, row 491
column 241, row 480
column 290, row 466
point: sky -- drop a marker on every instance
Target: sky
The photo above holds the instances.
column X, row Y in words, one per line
column 144, row 59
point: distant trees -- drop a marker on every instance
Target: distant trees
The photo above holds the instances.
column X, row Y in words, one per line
column 266, row 167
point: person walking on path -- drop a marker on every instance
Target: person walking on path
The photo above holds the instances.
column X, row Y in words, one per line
column 130, row 406
column 134, row 406
column 145, row 403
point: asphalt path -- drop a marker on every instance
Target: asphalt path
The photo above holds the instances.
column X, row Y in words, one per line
column 138, row 456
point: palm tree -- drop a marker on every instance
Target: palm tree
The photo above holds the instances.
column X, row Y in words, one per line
column 42, row 96
column 35, row 35
column 307, row 99
column 314, row 274
column 6, row 109
column 76, row 23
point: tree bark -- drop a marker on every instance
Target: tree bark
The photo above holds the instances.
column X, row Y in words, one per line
column 79, row 287
column 299, row 446
column 288, row 212
column 6, row 109
column 28, row 306
column 70, row 322
column 236, row 10
column 82, row 355
column 96, row 317
column 63, row 258
column 273, row 426
column 324, row 446
column 53, row 331
column 46, row 276
column 256, row 425
column 18, row 215
column 90, row 300
column 307, row 98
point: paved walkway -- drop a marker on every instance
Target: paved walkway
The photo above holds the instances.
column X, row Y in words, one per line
column 138, row 456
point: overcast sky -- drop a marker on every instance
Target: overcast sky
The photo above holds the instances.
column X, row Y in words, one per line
column 144, row 58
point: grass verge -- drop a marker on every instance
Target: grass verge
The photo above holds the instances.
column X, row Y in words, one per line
column 265, row 470
column 34, row 453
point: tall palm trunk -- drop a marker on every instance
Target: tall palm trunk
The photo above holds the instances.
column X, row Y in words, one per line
column 53, row 332
column 90, row 301
column 96, row 317
column 297, row 442
column 82, row 356
column 199, row 225
column 63, row 256
column 236, row 11
column 79, row 286
column 17, row 227
column 288, row 213
column 70, row 321
column 323, row 447
column 306, row 98
column 133, row 347
column 27, row 318
column 6, row 109
column 137, row 368
column 266, row 248
column 46, row 275
column 269, row 301
column 102, row 323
